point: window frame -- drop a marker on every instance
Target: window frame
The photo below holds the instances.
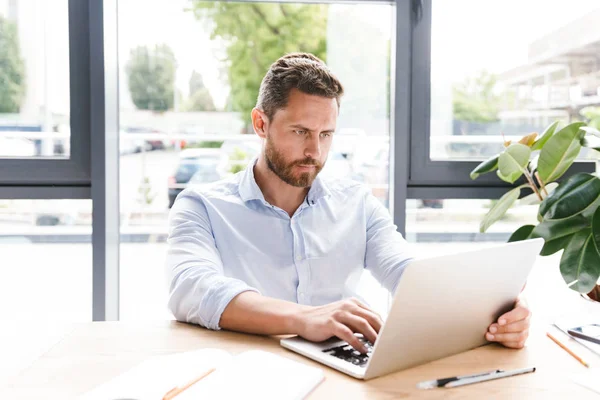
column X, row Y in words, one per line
column 430, row 179
column 73, row 175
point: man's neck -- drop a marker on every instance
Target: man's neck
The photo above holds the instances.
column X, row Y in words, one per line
column 276, row 191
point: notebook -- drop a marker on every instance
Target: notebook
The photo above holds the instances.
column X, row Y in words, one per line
column 253, row 374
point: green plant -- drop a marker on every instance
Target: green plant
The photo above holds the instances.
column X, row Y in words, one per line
column 211, row 144
column 145, row 194
column 12, row 68
column 568, row 213
column 237, row 159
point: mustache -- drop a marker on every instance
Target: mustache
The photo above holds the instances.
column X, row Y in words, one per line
column 307, row 161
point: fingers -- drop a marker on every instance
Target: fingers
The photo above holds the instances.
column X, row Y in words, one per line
column 514, row 340
column 346, row 334
column 518, row 313
column 373, row 319
column 518, row 326
column 365, row 312
column 364, row 307
column 514, row 345
column 360, row 325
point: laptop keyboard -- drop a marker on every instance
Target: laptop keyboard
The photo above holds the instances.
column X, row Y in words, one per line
column 347, row 353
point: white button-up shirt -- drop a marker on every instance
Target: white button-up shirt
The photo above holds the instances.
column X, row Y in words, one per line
column 227, row 239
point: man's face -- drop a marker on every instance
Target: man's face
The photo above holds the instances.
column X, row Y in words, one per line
column 298, row 138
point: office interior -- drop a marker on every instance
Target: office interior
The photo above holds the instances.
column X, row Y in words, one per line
column 110, row 108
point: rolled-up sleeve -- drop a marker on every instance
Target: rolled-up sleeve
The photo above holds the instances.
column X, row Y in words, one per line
column 387, row 251
column 199, row 291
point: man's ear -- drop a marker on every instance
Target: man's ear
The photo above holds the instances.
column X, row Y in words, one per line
column 259, row 122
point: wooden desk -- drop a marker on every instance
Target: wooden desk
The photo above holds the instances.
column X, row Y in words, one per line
column 96, row 352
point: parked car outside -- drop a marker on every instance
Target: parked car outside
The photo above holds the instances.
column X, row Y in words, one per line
column 192, row 161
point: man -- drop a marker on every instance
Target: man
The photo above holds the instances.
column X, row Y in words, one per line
column 271, row 250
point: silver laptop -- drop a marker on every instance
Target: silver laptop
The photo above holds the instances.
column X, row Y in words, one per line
column 442, row 306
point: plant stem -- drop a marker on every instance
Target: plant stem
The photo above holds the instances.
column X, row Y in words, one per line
column 537, row 175
column 532, row 184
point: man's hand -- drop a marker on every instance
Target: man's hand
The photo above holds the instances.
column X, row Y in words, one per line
column 341, row 319
column 512, row 328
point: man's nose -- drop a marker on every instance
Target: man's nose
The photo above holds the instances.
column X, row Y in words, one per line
column 313, row 148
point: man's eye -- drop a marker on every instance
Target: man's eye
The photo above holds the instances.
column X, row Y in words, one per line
column 300, row 131
column 325, row 135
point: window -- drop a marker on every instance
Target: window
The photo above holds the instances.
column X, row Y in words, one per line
column 46, row 269
column 458, row 220
column 503, row 73
column 186, row 93
column 44, row 68
column 34, row 91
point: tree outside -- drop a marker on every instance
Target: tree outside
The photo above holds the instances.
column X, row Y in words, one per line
column 256, row 35
column 12, row 69
column 151, row 77
column 474, row 100
column 200, row 98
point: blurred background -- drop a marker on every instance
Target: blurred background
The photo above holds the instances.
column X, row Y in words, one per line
column 189, row 73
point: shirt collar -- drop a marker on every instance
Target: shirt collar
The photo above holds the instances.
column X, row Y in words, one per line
column 249, row 190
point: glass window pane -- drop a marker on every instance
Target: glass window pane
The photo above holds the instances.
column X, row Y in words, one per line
column 34, row 79
column 186, row 93
column 510, row 73
column 458, row 220
column 46, row 268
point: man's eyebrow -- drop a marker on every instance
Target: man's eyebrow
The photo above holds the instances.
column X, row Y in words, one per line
column 310, row 130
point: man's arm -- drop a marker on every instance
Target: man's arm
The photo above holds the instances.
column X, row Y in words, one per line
column 253, row 313
column 387, row 252
column 201, row 294
column 199, row 291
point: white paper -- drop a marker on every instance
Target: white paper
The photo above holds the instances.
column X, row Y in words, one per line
column 153, row 378
column 250, row 375
column 257, row 375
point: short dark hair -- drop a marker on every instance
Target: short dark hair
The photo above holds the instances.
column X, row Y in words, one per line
column 302, row 71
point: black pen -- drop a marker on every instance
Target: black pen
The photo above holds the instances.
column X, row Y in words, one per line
column 455, row 381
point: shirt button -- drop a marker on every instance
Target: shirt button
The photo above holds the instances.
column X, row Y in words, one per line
column 299, row 258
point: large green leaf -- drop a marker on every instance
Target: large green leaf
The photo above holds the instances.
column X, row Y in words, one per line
column 564, row 188
column 512, row 162
column 487, row 166
column 533, row 198
column 580, row 194
column 596, row 229
column 554, row 229
column 522, row 233
column 500, row 208
column 556, row 245
column 560, row 151
column 545, row 136
column 580, row 262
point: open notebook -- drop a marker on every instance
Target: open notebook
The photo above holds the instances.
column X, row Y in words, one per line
column 250, row 375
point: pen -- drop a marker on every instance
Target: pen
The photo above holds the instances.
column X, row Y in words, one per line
column 565, row 348
column 455, row 381
column 178, row 389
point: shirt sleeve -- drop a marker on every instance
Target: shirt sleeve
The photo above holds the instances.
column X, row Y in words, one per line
column 387, row 253
column 198, row 289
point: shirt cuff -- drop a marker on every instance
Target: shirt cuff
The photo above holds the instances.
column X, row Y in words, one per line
column 219, row 296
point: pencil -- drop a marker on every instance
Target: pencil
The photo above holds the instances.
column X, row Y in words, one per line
column 178, row 389
column 565, row 348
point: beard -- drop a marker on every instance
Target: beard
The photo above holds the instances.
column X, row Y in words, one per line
column 285, row 170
